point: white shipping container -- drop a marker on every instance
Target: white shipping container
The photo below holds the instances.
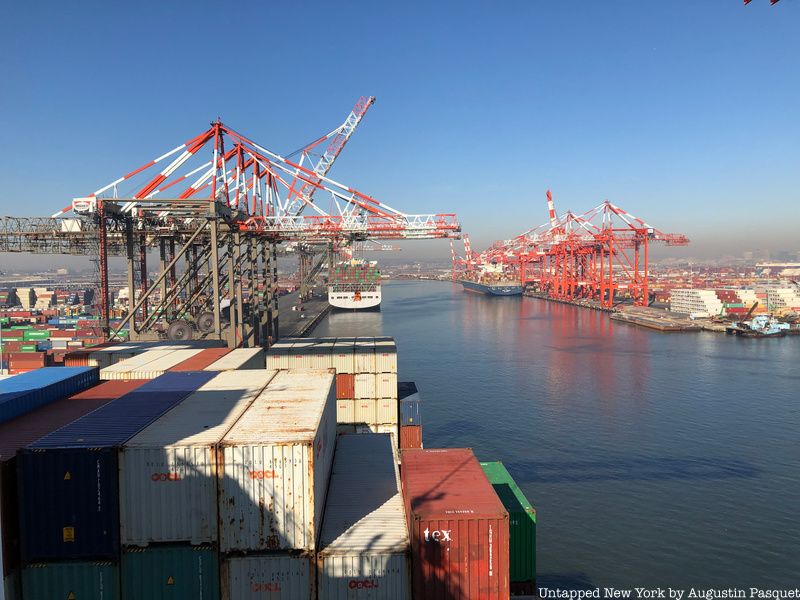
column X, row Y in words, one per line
column 364, row 355
column 168, row 472
column 386, row 411
column 345, row 411
column 277, row 460
column 271, row 576
column 386, row 385
column 343, row 357
column 364, row 411
column 365, row 385
column 322, row 355
column 378, row 428
column 364, row 541
column 385, row 357
column 301, row 355
column 278, row 356
column 148, row 365
column 239, row 359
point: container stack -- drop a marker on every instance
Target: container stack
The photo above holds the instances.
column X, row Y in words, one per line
column 276, row 466
column 410, row 404
column 148, row 365
column 522, row 529
column 22, row 431
column 457, row 525
column 238, row 359
column 366, row 377
column 28, row 391
column 69, row 492
column 168, row 491
column 364, row 543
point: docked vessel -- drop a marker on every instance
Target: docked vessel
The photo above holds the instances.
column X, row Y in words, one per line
column 355, row 285
column 759, row 326
column 491, row 280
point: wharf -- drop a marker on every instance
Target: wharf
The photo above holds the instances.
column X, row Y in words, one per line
column 294, row 323
column 656, row 318
column 593, row 304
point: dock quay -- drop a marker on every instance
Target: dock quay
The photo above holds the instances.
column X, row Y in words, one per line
column 593, row 304
column 300, row 323
column 656, row 318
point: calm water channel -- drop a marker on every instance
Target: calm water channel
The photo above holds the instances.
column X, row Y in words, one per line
column 652, row 459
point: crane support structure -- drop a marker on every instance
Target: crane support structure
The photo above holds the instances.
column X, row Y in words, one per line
column 596, row 255
column 218, row 206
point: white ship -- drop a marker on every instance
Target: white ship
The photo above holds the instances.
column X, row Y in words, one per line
column 355, row 285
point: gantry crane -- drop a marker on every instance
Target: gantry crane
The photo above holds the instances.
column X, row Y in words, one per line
column 222, row 217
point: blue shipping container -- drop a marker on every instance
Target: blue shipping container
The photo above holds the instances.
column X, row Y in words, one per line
column 69, row 480
column 410, row 403
column 27, row 391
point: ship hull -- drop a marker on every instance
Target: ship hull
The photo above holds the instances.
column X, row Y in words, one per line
column 496, row 289
column 366, row 300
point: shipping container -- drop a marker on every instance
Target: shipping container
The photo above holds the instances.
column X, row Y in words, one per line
column 365, row 385
column 364, row 411
column 24, row 430
column 345, row 386
column 385, row 356
column 278, row 356
column 410, row 403
column 71, row 581
column 28, row 391
column 12, row 588
column 321, row 354
column 379, row 428
column 364, row 540
column 301, row 355
column 240, row 359
column 386, row 411
column 522, row 528
column 168, row 471
column 170, row 572
column 364, row 355
column 346, row 411
column 148, row 365
column 410, row 436
column 278, row 576
column 277, row 462
column 343, row 356
column 386, row 385
column 68, row 480
column 201, row 360
column 458, row 526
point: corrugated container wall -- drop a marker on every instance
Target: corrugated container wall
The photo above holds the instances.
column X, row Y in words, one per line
column 345, row 386
column 410, row 403
column 410, row 436
column 385, row 356
column 364, row 352
column 20, row 432
column 170, row 572
column 364, row 540
column 68, row 480
column 281, row 576
column 278, row 457
column 458, row 527
column 168, row 472
column 522, row 528
column 365, row 386
column 28, row 391
column 71, row 581
column 343, row 357
column 278, row 356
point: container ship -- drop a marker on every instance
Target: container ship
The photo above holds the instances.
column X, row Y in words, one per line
column 491, row 280
column 355, row 285
column 135, row 473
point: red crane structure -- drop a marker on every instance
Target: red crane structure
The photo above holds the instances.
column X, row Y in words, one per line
column 220, row 203
column 596, row 255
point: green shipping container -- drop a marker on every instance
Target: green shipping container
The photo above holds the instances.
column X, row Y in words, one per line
column 71, row 581
column 522, row 528
column 36, row 334
column 170, row 572
column 28, row 348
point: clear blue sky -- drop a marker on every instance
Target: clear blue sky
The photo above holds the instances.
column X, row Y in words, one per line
column 685, row 113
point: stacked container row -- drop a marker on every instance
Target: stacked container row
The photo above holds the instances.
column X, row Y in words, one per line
column 18, row 433
column 149, row 364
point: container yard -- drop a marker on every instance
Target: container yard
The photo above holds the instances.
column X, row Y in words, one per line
column 232, row 481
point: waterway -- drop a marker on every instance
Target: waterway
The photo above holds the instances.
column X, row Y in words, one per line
column 653, row 459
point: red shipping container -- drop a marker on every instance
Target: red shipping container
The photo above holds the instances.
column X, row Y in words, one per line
column 201, row 360
column 62, row 333
column 345, row 386
column 458, row 527
column 410, row 436
column 28, row 428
